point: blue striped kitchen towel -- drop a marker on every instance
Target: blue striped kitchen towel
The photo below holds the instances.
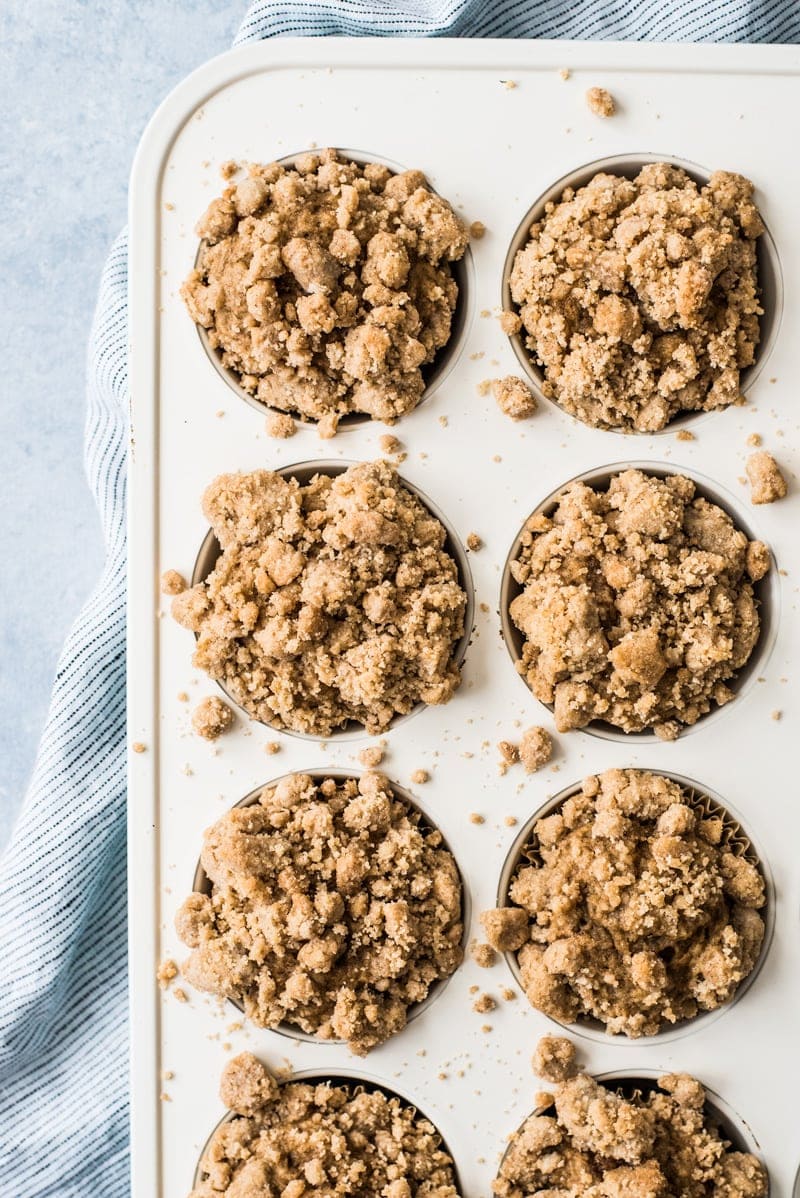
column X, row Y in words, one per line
column 63, row 998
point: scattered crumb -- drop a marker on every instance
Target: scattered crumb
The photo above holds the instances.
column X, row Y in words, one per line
column 514, row 397
column 535, row 749
column 390, row 444
column 483, row 387
column 506, row 928
column 212, row 717
column 477, row 230
column 166, row 973
column 443, row 421
column 280, row 425
column 482, row 954
column 554, row 1059
column 485, row 312
column 683, row 434
column 371, row 757
column 510, row 323
column 510, row 821
column 165, row 1097
column 509, row 752
column 229, row 169
column 180, row 994
column 167, row 1075
column 327, row 425
column 564, row 73
column 476, row 357
column 182, row 697
column 474, row 542
column 246, row 1086
column 475, row 818
column 600, row 101
column 484, row 607
column 509, row 84
column 776, row 715
column 766, row 481
column 172, row 583
column 507, row 994
column 138, row 747
column 220, row 413
column 484, row 1004
column 486, row 1027
column 272, row 747
column 754, row 440
column 419, row 777
column 169, row 207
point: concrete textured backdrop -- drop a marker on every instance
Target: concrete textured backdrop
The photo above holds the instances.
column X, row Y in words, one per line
column 78, row 84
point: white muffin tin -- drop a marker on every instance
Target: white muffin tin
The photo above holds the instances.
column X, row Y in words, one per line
column 446, row 107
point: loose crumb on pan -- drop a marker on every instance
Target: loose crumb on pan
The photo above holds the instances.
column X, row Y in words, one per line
column 474, row 542
column 640, row 298
column 166, row 973
column 754, row 440
column 509, row 752
column 331, row 602
column 172, row 583
column 554, row 1059
column 636, row 906
column 514, row 397
column 333, row 907
column 510, row 323
column 390, row 444
column 302, row 1138
column 564, row 73
column 484, row 387
column 684, row 434
column 766, row 481
column 507, row 994
column 180, row 994
column 637, row 604
column 326, row 287
column 535, row 749
column 482, row 954
column 420, row 777
column 601, row 102
column 483, row 1004
column 212, row 717
column 139, row 746
column 506, row 928
column 650, row 1142
column 371, row 757
column 476, row 818
column 776, row 715
column 272, row 747
column 280, row 425
column 477, row 230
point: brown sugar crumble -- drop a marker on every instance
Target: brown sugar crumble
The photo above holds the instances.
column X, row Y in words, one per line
column 641, row 910
column 510, row 323
column 477, row 230
column 535, row 749
column 655, row 1141
column 420, row 777
column 333, row 908
column 212, row 717
column 390, row 444
column 506, row 928
column 139, row 747
column 754, row 440
column 484, row 1004
column 327, row 286
column 280, row 425
column 476, row 818
column 637, row 604
column 554, row 1059
column 172, row 583
column 601, row 102
column 482, row 954
column 640, row 297
column 514, row 397
column 180, row 994
column 332, row 602
column 371, row 757
column 474, row 542
column 166, row 973
column 272, row 747
column 767, row 484
column 303, row 1138
column 683, row 434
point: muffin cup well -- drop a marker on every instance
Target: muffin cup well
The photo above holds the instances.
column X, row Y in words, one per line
column 770, row 275
column 359, row 1082
column 433, row 374
column 201, row 884
column 767, row 591
column 738, row 841
column 210, row 550
column 719, row 1114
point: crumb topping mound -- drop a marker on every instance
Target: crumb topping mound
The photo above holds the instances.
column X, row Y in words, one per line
column 641, row 908
column 332, row 907
column 655, row 1143
column 637, row 604
column 639, row 298
column 327, row 286
column 331, row 602
column 332, row 1140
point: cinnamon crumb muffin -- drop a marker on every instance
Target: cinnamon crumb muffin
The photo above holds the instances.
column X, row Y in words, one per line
column 652, row 1140
column 637, row 906
column 332, row 907
column 327, row 286
column 640, row 298
column 332, row 602
column 637, row 604
column 317, row 1137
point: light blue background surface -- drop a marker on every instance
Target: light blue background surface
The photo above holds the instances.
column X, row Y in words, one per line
column 78, row 84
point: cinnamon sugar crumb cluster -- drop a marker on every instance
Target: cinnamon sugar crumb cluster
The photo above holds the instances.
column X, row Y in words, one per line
column 652, row 1141
column 212, row 717
column 599, row 1144
column 332, row 907
column 639, row 913
column 303, row 1138
column 637, row 604
column 330, row 602
column 640, row 298
column 514, row 397
column 764, row 475
column 601, row 102
column 327, row 286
